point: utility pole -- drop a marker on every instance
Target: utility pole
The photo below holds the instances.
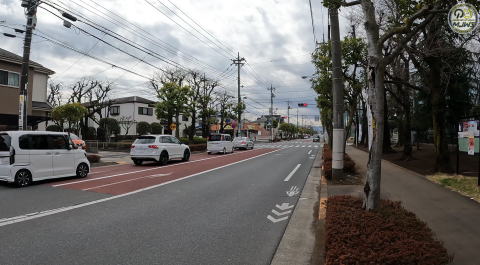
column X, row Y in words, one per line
column 31, row 6
column 338, row 87
column 288, row 112
column 239, row 62
column 297, row 121
column 271, row 110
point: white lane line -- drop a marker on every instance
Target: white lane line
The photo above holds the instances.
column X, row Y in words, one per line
column 128, row 180
column 309, row 152
column 297, row 146
column 31, row 216
column 303, row 145
column 143, row 170
column 291, row 173
column 309, row 146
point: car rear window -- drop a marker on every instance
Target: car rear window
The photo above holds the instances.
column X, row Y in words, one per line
column 5, row 141
column 145, row 140
column 215, row 137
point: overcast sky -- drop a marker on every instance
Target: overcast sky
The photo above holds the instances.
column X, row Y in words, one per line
column 274, row 36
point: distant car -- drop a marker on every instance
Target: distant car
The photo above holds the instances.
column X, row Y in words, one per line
column 243, row 143
column 220, row 143
column 79, row 143
column 158, row 148
column 316, row 138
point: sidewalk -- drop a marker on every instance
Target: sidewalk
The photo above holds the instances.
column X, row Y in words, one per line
column 454, row 219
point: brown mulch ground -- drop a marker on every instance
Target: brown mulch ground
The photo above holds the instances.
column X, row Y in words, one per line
column 423, row 160
column 351, row 176
column 389, row 236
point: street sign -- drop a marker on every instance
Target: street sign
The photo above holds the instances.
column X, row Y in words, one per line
column 173, row 126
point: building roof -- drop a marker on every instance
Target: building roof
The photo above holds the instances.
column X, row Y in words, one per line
column 37, row 105
column 16, row 59
column 132, row 99
column 124, row 100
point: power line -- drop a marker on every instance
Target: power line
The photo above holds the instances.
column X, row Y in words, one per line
column 136, row 30
column 313, row 24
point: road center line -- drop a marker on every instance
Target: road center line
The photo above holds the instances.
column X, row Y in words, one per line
column 128, row 180
column 143, row 170
column 31, row 216
column 291, row 173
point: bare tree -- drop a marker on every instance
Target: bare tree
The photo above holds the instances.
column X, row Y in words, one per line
column 126, row 123
column 54, row 95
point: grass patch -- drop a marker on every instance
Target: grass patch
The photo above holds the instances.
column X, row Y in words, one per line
column 464, row 185
column 390, row 235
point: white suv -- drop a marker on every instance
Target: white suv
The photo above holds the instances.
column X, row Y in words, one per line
column 159, row 148
column 27, row 156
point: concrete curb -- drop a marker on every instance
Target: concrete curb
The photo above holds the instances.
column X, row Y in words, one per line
column 298, row 242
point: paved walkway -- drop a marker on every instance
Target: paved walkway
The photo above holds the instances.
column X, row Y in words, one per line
column 454, row 219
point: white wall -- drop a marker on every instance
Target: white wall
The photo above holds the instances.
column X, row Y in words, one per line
column 39, row 92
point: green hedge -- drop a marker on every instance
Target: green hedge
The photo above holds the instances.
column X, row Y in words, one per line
column 196, row 140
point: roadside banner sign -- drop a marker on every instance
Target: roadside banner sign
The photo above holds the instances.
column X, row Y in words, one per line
column 471, row 145
column 173, row 126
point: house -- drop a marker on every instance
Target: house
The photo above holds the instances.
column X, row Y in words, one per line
column 129, row 111
column 38, row 109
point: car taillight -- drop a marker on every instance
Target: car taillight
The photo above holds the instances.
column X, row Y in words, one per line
column 244, row 142
column 153, row 146
column 133, row 146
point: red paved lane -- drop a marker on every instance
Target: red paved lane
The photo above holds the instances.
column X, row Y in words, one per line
column 127, row 178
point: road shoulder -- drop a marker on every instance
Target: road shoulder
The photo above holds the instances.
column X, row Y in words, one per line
column 298, row 242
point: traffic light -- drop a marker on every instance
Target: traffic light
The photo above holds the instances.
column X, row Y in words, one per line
column 302, row 105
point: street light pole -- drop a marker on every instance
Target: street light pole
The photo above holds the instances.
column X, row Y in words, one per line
column 31, row 6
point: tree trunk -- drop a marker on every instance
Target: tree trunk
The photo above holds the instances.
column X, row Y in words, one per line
column 364, row 140
column 177, row 130
column 376, row 99
column 442, row 159
column 192, row 127
column 387, row 143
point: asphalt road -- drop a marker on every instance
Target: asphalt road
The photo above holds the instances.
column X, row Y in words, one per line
column 210, row 211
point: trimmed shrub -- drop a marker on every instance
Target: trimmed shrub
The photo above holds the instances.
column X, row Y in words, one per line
column 101, row 136
column 388, row 235
column 196, row 140
column 89, row 133
column 348, row 163
column 93, row 158
column 156, row 128
column 53, row 128
column 197, row 147
column 143, row 127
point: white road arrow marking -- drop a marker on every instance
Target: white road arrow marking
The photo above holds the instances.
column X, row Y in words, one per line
column 309, row 152
column 294, row 190
column 275, row 220
column 281, row 213
column 284, row 206
column 291, row 173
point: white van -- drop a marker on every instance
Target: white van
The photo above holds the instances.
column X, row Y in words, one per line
column 220, row 143
column 27, row 156
column 159, row 148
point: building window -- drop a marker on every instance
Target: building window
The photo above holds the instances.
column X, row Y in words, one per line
column 184, row 118
column 115, row 110
column 9, row 78
column 145, row 111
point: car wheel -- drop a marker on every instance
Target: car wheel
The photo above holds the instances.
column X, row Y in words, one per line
column 164, row 158
column 137, row 162
column 23, row 178
column 224, row 150
column 186, row 155
column 82, row 170
column 252, row 147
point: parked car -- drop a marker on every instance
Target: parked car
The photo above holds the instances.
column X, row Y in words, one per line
column 27, row 156
column 243, row 142
column 220, row 143
column 79, row 143
column 158, row 148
